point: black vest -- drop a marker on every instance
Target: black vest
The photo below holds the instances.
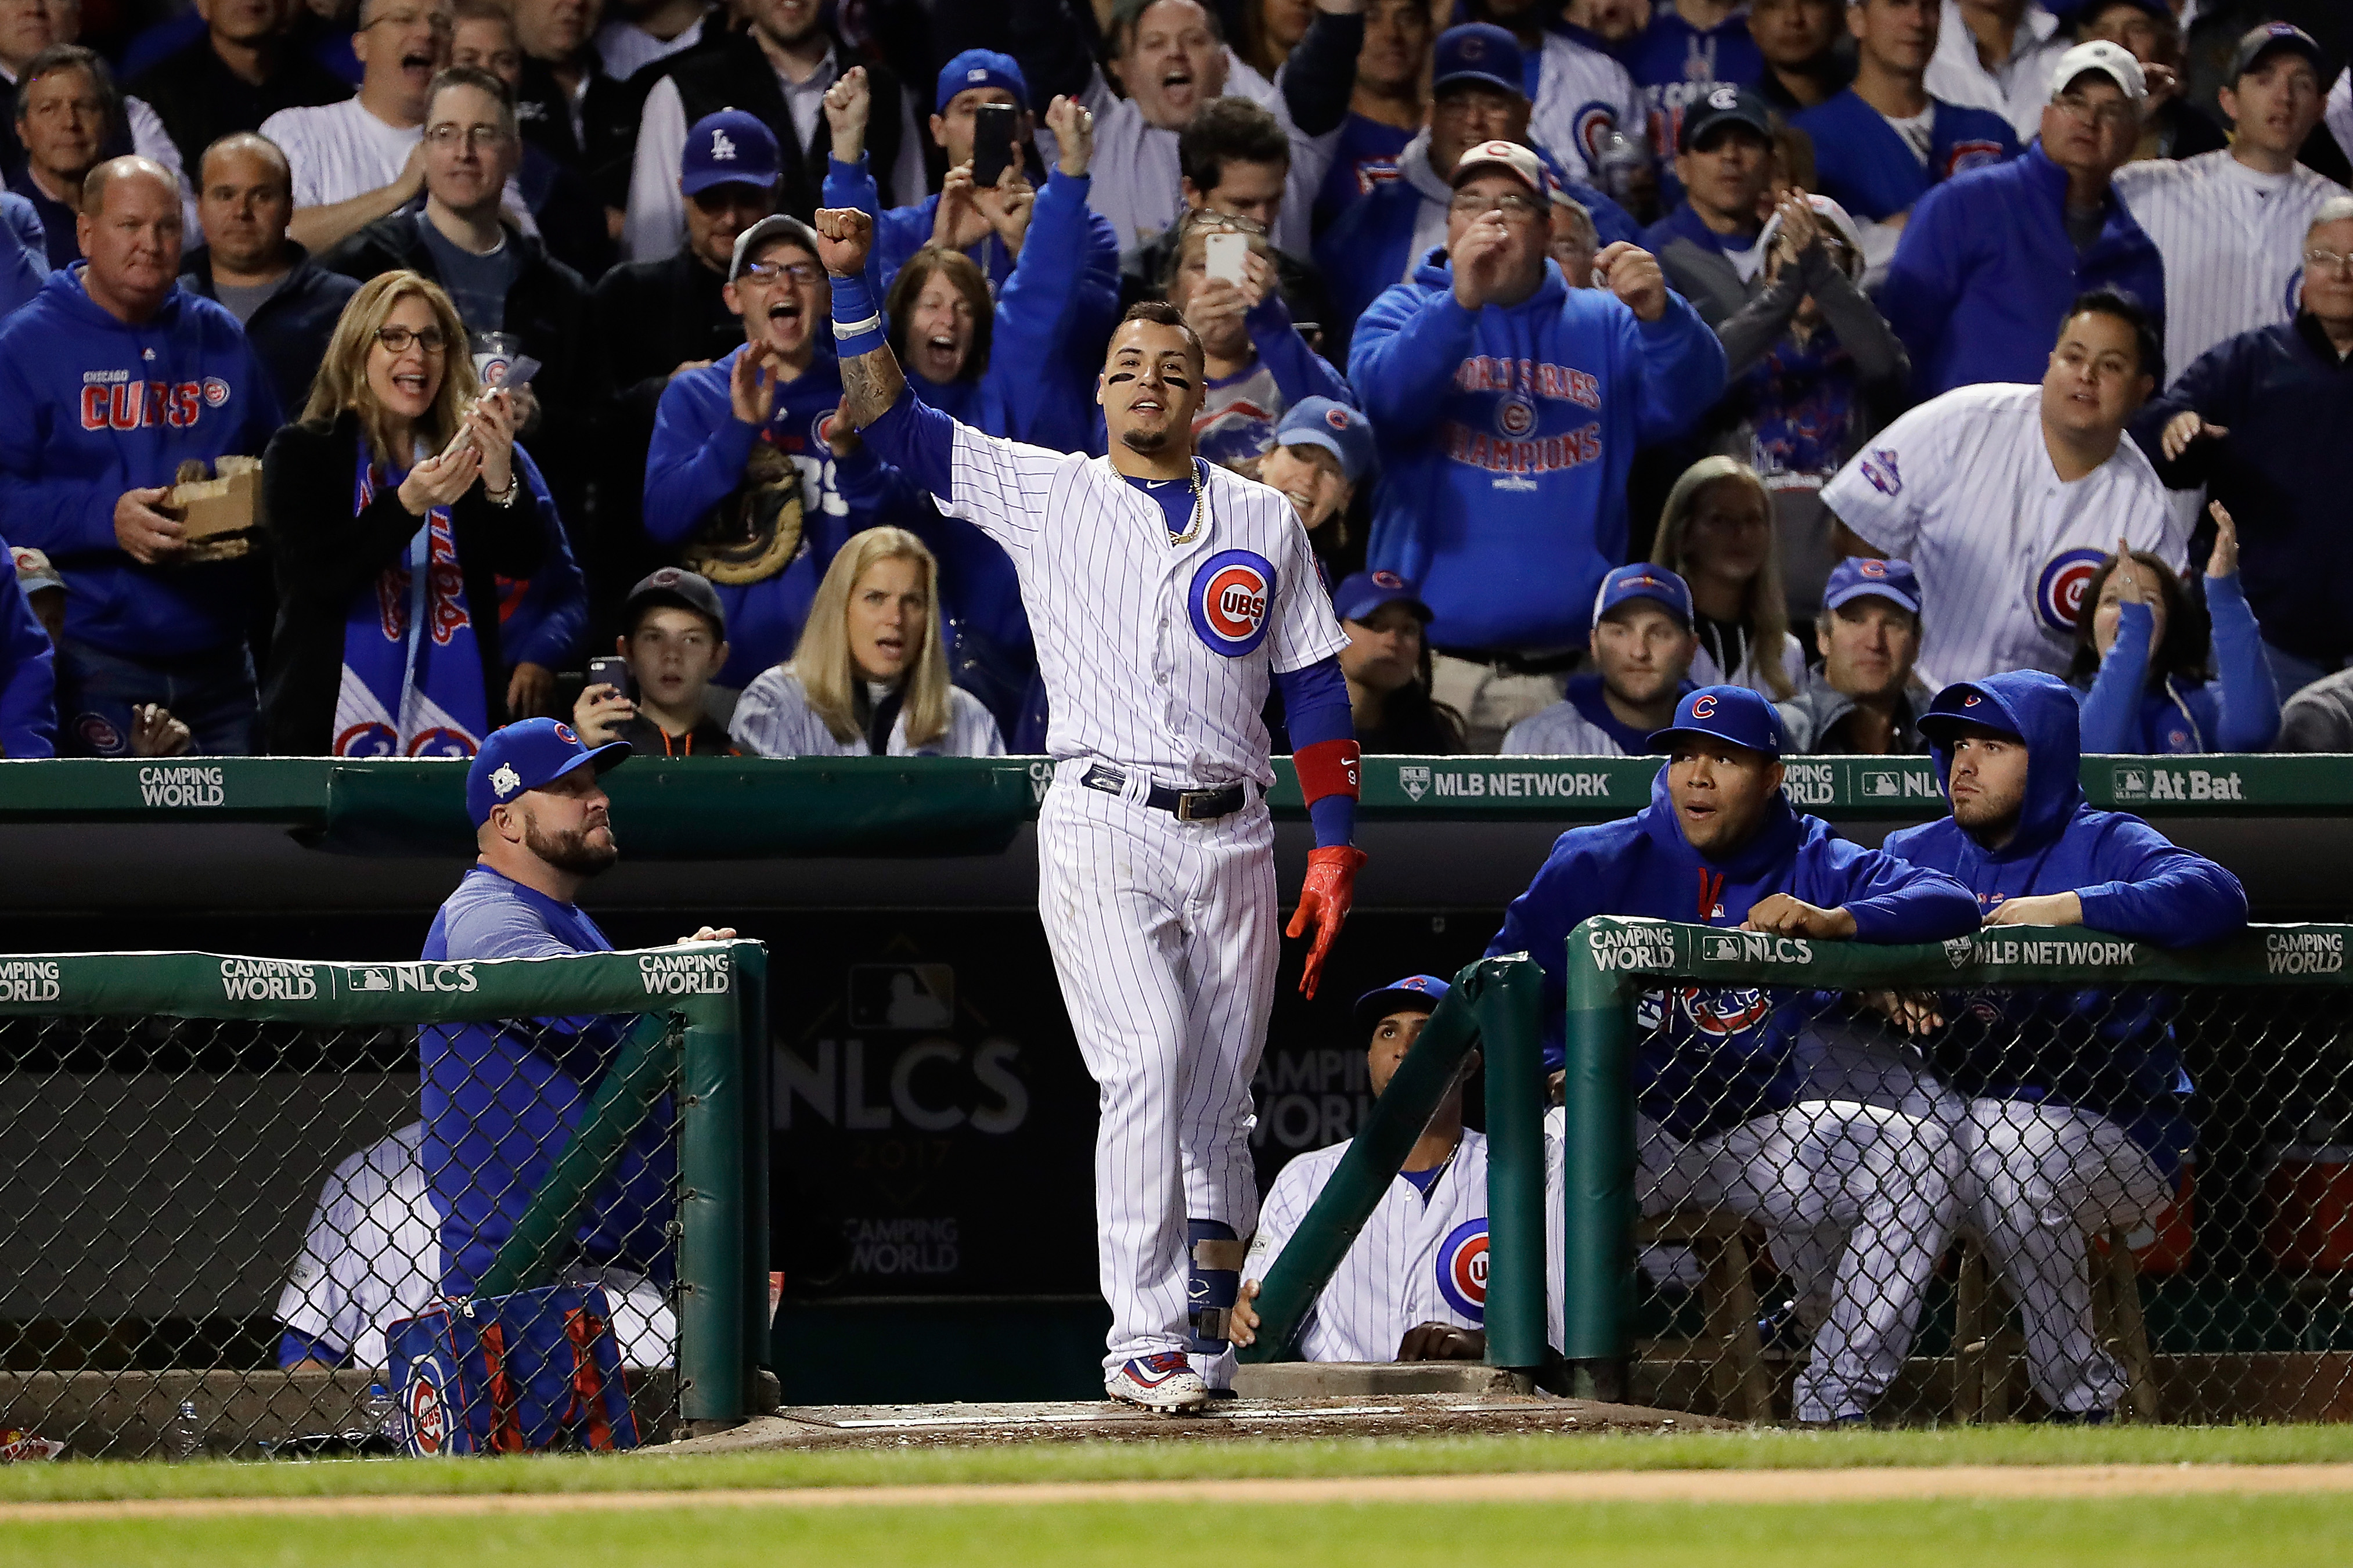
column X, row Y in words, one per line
column 736, row 75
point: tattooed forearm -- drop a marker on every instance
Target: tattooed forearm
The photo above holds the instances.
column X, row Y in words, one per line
column 870, row 382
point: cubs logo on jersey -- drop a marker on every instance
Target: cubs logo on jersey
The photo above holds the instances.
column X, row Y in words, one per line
column 1720, row 1014
column 1231, row 601
column 1592, row 125
column 1463, row 1268
column 2059, row 589
column 1963, row 156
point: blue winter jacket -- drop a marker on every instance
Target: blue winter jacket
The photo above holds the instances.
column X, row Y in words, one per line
column 542, row 617
column 1985, row 271
column 1865, row 164
column 29, row 680
column 1506, row 436
column 2237, row 711
column 899, row 232
column 24, row 252
column 1726, row 1055
column 92, row 407
column 2108, row 1049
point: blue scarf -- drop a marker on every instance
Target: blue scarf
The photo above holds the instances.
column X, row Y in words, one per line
column 405, row 694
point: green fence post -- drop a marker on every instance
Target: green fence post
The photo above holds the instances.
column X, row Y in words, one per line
column 1510, row 1011
column 639, row 1078
column 1366, row 1170
column 1598, row 1206
column 714, row 1376
column 757, row 1059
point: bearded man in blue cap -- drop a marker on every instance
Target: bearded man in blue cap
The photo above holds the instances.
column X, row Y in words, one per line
column 1858, row 1200
column 500, row 1100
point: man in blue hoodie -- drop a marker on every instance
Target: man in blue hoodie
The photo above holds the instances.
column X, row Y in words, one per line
column 1509, row 406
column 1858, row 1199
column 109, row 379
column 2069, row 1107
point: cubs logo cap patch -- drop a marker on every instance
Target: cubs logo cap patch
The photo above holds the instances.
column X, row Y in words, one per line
column 1642, row 580
column 1731, row 713
column 1336, row 427
column 1504, row 157
column 1857, row 578
column 1478, row 53
column 1724, row 108
column 979, row 67
column 526, row 756
column 1414, row 991
column 1361, row 594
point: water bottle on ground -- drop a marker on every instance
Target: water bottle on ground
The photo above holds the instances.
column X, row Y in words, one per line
column 380, row 1419
column 184, row 1438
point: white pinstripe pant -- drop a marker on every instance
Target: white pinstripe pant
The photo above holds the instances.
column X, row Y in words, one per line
column 1164, row 937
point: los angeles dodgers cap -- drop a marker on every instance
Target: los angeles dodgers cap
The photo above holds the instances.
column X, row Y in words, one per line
column 1480, row 53
column 1425, row 989
column 2257, row 42
column 1360, row 593
column 1853, row 578
column 729, row 148
column 979, row 67
column 1328, row 423
column 1731, row 713
column 1642, row 581
column 527, row 756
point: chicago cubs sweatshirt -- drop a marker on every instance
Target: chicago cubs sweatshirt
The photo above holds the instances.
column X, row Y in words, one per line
column 1506, row 436
column 92, row 407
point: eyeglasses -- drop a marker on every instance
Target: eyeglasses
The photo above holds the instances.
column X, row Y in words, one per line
column 2113, row 116
column 2328, row 261
column 1510, row 206
column 776, row 271
column 396, row 340
column 473, row 136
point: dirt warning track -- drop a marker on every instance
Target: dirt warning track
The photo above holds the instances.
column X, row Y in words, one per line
column 1729, row 1486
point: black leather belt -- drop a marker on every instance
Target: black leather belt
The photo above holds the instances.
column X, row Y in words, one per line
column 1183, row 805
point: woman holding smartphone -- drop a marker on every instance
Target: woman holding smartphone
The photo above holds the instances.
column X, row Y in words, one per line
column 393, row 505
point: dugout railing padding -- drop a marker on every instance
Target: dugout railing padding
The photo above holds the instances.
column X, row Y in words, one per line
column 700, row 1033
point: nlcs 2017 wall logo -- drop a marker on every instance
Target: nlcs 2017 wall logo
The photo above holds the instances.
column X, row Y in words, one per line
column 2059, row 590
column 1231, row 601
column 1463, row 1268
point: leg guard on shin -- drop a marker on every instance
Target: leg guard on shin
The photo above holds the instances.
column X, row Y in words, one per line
column 1213, row 1280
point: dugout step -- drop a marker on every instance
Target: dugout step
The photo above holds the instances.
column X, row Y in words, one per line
column 1356, row 1416
column 1291, row 1380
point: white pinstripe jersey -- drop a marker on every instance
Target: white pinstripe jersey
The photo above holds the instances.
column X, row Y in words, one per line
column 1581, row 94
column 1963, row 488
column 1155, row 656
column 774, row 719
column 2233, row 242
column 1415, row 1261
column 1560, row 730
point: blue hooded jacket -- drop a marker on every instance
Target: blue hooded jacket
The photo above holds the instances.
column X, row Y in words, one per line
column 1506, row 437
column 29, row 707
column 1726, row 1055
column 2107, row 1049
column 2237, row 711
column 92, row 407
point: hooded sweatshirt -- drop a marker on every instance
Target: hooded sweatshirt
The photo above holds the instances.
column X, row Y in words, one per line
column 92, row 407
column 1724, row 1054
column 1506, row 437
column 2107, row 1049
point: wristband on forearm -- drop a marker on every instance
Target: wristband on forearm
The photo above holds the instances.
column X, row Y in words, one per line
column 857, row 320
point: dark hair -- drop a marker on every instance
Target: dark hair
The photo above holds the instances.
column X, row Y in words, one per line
column 2125, row 308
column 2189, row 630
column 1128, row 12
column 964, row 274
column 1228, row 130
column 1161, row 313
column 72, row 57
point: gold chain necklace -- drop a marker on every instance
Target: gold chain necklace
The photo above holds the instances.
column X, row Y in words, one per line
column 1200, row 507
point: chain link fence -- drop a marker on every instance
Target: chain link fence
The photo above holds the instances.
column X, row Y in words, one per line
column 2033, row 1174
column 212, row 1220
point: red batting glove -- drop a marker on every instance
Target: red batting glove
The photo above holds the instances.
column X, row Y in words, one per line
column 1325, row 897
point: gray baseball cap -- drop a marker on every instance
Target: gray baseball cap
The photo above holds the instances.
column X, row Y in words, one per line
column 774, row 226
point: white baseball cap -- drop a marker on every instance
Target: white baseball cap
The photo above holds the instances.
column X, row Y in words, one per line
column 1509, row 157
column 2112, row 61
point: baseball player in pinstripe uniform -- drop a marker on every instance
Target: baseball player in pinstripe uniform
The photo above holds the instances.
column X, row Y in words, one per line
column 2231, row 224
column 1413, row 1285
column 2006, row 498
column 1167, row 595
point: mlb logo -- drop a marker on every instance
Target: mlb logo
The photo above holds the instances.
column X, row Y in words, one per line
column 1719, row 949
column 1414, row 781
column 371, row 980
column 2129, row 784
column 1881, row 785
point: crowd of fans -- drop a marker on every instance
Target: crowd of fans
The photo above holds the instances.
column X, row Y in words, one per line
column 1604, row 348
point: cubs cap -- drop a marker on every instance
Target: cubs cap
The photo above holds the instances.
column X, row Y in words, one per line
column 1967, row 704
column 729, row 148
column 2257, row 42
column 1726, row 105
column 1642, row 580
column 768, row 230
column 1731, row 713
column 1478, row 53
column 676, row 585
column 1426, row 991
column 1359, row 596
column 34, row 571
column 526, row 756
column 2111, row 60
column 1328, row 423
column 1854, row 578
column 979, row 67
column 1510, row 157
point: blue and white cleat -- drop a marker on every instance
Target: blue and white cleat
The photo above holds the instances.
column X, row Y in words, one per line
column 1165, row 1382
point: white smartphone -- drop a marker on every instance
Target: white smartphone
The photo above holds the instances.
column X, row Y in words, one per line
column 1226, row 254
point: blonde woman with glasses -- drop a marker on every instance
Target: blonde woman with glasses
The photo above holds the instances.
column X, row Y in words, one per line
column 1717, row 533
column 869, row 677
